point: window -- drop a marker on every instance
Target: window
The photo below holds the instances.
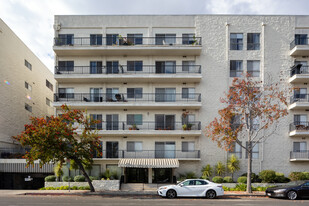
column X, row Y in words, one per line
column 253, row 68
column 112, row 39
column 236, row 121
column 164, row 122
column 300, row 119
column 95, row 95
column 134, row 146
column 300, row 94
column 189, row 183
column 112, row 67
column 65, row 66
column 188, row 39
column 112, row 95
column 48, row 101
column 98, row 153
column 165, row 39
column 301, row 39
column 136, row 93
column 236, row 150
column 135, row 39
column 255, row 123
column 65, row 39
column 187, row 146
column 134, row 66
column 112, row 122
column 299, row 146
column 253, row 41
column 188, row 93
column 28, row 86
column 95, row 39
column 136, row 119
column 236, row 41
column 96, row 67
column 200, row 182
column 187, row 119
column 165, row 95
column 98, row 117
column 255, row 151
column 66, row 93
column 28, row 107
column 27, row 64
column 167, row 67
column 189, row 66
column 236, row 68
column 49, row 85
column 165, row 149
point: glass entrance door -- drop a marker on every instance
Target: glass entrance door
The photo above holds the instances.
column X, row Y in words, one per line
column 162, row 175
column 136, row 175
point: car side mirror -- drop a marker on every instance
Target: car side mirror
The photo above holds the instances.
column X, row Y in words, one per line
column 181, row 185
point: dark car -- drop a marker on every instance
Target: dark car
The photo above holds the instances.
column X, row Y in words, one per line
column 291, row 190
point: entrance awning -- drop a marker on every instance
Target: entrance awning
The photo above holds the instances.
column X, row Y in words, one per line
column 149, row 163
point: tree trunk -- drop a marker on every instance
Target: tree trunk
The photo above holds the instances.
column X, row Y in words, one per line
column 249, row 189
column 81, row 167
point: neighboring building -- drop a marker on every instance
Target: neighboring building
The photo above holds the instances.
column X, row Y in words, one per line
column 26, row 89
column 146, row 76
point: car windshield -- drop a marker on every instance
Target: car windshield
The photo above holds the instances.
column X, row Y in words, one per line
column 295, row 183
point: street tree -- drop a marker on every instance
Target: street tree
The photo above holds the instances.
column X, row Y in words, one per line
column 55, row 140
column 251, row 115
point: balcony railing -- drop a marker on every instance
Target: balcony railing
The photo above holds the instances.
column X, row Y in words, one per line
column 299, row 41
column 128, row 41
column 145, row 125
column 301, row 154
column 299, row 69
column 14, row 153
column 299, row 98
column 173, row 154
column 124, row 69
column 299, row 126
column 120, row 97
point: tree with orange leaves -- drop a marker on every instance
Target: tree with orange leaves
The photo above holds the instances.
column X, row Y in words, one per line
column 252, row 113
column 56, row 140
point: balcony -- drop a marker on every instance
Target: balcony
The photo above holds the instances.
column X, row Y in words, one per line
column 141, row 46
column 299, row 101
column 299, row 47
column 144, row 73
column 147, row 128
column 149, row 154
column 124, row 101
column 299, row 74
column 12, row 153
column 299, row 129
column 301, row 156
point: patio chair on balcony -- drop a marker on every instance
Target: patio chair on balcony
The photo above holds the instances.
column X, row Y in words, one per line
column 86, row 99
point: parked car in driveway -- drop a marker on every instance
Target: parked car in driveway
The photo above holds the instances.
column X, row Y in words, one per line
column 291, row 190
column 192, row 188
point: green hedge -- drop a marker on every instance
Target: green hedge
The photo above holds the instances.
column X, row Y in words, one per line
column 242, row 180
column 67, row 178
column 79, row 178
column 268, row 176
column 217, row 179
column 295, row 176
column 228, row 179
column 50, row 178
column 65, row 188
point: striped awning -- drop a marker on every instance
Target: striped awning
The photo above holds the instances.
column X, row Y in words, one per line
column 149, row 163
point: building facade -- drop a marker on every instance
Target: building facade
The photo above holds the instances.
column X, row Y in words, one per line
column 156, row 82
column 26, row 89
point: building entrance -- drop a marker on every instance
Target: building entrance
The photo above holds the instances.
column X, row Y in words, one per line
column 136, row 175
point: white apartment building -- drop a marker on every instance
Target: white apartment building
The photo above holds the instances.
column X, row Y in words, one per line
column 146, row 76
column 26, row 88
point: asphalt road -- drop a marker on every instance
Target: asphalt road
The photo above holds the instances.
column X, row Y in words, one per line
column 149, row 201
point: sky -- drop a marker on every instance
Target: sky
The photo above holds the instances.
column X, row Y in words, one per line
column 32, row 20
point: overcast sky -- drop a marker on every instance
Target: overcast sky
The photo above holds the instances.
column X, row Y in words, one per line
column 32, row 20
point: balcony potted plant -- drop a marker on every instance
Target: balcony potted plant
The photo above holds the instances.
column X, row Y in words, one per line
column 184, row 126
column 134, row 127
column 189, row 126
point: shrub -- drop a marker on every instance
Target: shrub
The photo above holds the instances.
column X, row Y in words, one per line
column 280, row 178
column 50, row 178
column 220, row 168
column 74, row 188
column 50, row 188
column 241, row 187
column 93, row 178
column 67, row 178
column 190, row 175
column 63, row 188
column 242, row 180
column 228, row 179
column 295, row 176
column 84, row 188
column 254, row 177
column 206, row 171
column 79, row 178
column 217, row 179
column 268, row 176
column 306, row 175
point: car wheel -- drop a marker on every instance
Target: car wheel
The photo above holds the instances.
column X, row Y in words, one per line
column 171, row 194
column 292, row 195
column 211, row 194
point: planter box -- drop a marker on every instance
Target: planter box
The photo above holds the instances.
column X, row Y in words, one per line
column 99, row 185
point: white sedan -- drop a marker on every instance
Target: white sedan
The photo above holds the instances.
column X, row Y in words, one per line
column 192, row 188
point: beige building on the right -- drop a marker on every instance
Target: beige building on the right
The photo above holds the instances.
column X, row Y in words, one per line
column 141, row 74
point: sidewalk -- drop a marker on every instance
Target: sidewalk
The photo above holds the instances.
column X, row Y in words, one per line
column 110, row 193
